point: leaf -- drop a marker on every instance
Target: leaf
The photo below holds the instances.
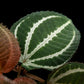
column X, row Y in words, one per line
column 9, row 50
column 5, row 80
column 20, row 80
column 47, row 39
column 71, row 73
column 24, row 80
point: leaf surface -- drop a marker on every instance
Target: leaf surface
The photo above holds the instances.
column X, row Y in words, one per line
column 47, row 39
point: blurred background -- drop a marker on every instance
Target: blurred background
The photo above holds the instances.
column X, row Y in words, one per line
column 10, row 13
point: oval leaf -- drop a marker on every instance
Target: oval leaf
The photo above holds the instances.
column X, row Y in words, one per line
column 24, row 80
column 9, row 50
column 47, row 39
column 72, row 73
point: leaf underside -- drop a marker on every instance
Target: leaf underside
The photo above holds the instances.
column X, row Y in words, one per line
column 24, row 80
column 9, row 50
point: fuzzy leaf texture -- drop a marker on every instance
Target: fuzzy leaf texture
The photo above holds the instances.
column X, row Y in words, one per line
column 47, row 39
column 71, row 73
column 9, row 50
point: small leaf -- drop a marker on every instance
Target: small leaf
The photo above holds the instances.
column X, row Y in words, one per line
column 5, row 80
column 72, row 73
column 47, row 39
column 9, row 50
column 24, row 80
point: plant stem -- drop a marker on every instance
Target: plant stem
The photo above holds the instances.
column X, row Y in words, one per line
column 35, row 77
column 19, row 71
column 28, row 74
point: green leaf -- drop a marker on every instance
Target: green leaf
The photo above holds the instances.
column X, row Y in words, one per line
column 71, row 73
column 47, row 39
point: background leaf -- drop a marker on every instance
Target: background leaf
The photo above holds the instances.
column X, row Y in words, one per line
column 9, row 50
column 71, row 73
